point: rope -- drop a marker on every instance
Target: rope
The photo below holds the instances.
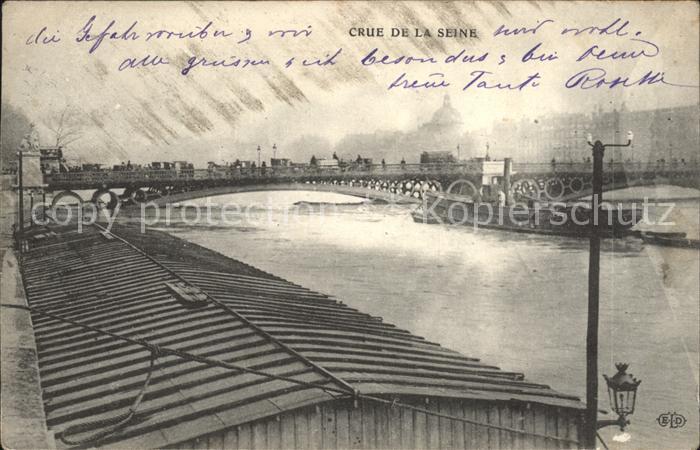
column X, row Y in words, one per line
column 113, row 423
column 602, row 441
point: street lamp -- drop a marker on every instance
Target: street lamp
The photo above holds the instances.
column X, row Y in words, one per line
column 274, row 151
column 258, row 156
column 622, row 391
column 591, row 418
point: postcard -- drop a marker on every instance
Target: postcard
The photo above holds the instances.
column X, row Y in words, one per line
column 350, row 224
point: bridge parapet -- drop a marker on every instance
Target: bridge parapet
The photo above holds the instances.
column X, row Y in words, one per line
column 545, row 181
column 626, row 166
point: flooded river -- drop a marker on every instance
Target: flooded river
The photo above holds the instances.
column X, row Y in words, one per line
column 517, row 301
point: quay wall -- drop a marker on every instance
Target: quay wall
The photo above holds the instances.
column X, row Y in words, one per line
column 23, row 421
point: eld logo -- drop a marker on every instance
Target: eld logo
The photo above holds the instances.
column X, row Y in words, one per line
column 671, row 420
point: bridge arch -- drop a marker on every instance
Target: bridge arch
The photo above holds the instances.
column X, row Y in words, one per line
column 113, row 198
column 347, row 189
column 64, row 194
column 135, row 194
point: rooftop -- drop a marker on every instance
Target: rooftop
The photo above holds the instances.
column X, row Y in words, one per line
column 122, row 283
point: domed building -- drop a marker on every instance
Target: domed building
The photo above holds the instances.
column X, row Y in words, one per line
column 442, row 133
column 446, row 120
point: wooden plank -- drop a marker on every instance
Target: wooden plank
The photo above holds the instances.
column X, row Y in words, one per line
column 355, row 426
column 563, row 427
column 485, row 383
column 420, row 428
column 215, row 441
column 575, row 420
column 455, row 409
column 483, row 433
column 288, row 436
column 301, row 428
column 369, row 428
column 433, row 425
column 470, row 430
column 529, row 425
column 274, row 432
column 199, row 443
column 342, row 425
column 540, row 417
column 315, row 431
column 245, row 436
column 231, row 438
column 507, row 438
column 394, row 424
column 407, row 426
column 381, row 415
column 259, row 434
column 329, row 434
column 495, row 419
column 444, row 424
column 551, row 426
column 518, row 423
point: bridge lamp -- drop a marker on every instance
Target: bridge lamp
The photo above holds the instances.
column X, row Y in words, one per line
column 622, row 391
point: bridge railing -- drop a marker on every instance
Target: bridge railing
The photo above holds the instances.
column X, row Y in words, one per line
column 221, row 173
column 623, row 166
column 146, row 176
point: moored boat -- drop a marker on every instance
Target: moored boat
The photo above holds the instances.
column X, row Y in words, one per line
column 537, row 217
column 677, row 240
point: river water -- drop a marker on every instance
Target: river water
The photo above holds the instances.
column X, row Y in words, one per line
column 517, row 301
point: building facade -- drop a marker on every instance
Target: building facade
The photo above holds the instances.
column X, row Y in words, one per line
column 667, row 134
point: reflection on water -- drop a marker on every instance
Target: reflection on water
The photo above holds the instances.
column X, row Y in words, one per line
column 515, row 300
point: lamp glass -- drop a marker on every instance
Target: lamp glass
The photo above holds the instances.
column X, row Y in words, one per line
column 622, row 401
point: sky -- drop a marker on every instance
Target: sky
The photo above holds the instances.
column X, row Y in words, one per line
column 222, row 113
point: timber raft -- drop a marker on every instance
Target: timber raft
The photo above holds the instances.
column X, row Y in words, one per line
column 146, row 340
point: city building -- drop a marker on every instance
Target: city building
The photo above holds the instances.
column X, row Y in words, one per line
column 327, row 163
column 666, row 134
column 441, row 157
column 280, row 162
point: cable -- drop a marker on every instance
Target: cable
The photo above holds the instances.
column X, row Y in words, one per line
column 395, row 403
column 114, row 423
column 602, row 441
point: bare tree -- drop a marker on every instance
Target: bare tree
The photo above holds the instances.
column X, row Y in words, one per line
column 65, row 128
column 14, row 125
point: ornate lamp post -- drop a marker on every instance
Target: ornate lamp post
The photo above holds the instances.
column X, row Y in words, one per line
column 622, row 390
column 590, row 423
